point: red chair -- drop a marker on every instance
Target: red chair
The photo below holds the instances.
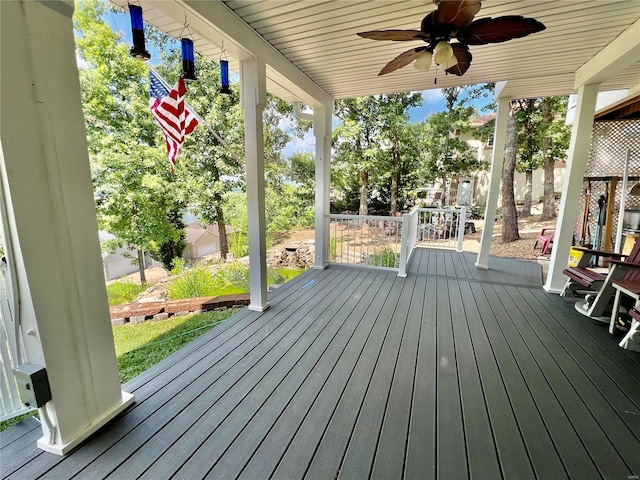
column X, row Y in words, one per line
column 545, row 238
column 582, row 277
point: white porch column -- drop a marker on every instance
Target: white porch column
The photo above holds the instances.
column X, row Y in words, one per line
column 572, row 187
column 46, row 184
column 497, row 159
column 253, row 84
column 322, row 128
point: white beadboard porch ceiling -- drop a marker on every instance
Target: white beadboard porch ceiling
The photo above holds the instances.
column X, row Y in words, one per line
column 319, row 38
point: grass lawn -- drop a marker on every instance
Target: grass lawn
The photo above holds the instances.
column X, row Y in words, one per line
column 140, row 346
column 123, row 291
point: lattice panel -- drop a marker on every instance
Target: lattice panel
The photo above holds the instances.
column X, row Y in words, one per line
column 610, row 142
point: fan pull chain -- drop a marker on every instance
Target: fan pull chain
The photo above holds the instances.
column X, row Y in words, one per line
column 435, row 80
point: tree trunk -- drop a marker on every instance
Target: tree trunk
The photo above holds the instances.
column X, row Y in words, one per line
column 509, row 213
column 394, row 179
column 143, row 277
column 364, row 193
column 394, row 192
column 444, row 199
column 222, row 229
column 549, row 206
column 528, row 188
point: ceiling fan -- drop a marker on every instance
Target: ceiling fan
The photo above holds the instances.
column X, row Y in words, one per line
column 453, row 19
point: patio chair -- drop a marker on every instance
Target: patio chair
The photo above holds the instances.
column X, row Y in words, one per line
column 545, row 239
column 587, row 279
column 631, row 341
column 620, row 273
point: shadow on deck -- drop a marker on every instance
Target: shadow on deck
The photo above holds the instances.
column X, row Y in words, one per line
column 451, row 372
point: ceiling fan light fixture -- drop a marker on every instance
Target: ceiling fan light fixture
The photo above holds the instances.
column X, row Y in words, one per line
column 442, row 53
column 452, row 62
column 423, row 62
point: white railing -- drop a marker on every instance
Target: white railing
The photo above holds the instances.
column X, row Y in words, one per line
column 389, row 242
column 441, row 227
column 365, row 240
column 10, row 404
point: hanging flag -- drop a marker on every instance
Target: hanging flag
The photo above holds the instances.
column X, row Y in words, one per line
column 170, row 111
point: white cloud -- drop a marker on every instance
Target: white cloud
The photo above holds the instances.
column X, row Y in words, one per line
column 285, row 123
column 432, row 96
column 305, row 144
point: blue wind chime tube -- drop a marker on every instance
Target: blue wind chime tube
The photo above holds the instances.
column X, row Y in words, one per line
column 138, row 50
column 224, row 78
column 188, row 60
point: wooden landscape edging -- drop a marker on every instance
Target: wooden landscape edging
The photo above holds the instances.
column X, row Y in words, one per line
column 161, row 310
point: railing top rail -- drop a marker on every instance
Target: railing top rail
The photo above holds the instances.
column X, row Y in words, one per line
column 365, row 217
column 445, row 209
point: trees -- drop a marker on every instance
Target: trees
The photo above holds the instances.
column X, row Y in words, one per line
column 135, row 198
column 555, row 143
column 527, row 116
column 542, row 140
column 397, row 140
column 445, row 154
column 537, row 136
column 372, row 144
column 509, row 214
column 208, row 171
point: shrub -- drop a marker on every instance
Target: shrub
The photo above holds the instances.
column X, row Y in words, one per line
column 123, row 291
column 386, row 258
column 193, row 283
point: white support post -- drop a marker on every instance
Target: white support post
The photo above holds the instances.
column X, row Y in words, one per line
column 46, row 184
column 253, row 81
column 462, row 220
column 576, row 164
column 404, row 248
column 497, row 159
column 322, row 125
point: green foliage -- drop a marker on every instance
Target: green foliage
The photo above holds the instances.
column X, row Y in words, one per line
column 475, row 212
column 230, row 278
column 386, row 258
column 303, row 170
column 142, row 345
column 195, row 282
column 136, row 200
column 541, row 123
column 373, row 145
column 333, row 248
column 16, row 420
column 239, row 244
column 123, row 291
column 445, row 154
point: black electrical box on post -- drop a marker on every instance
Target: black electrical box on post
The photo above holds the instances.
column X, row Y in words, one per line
column 33, row 385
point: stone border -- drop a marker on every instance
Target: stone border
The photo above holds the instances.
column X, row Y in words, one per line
column 161, row 310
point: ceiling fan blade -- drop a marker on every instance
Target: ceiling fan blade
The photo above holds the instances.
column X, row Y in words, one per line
column 427, row 25
column 496, row 30
column 394, row 35
column 402, row 60
column 458, row 13
column 464, row 57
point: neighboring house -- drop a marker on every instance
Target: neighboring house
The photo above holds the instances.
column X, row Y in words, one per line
column 480, row 179
column 202, row 240
column 118, row 264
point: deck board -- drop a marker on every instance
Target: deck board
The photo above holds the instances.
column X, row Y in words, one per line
column 451, row 372
column 482, row 461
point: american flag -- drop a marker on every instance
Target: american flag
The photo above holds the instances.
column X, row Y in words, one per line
column 172, row 114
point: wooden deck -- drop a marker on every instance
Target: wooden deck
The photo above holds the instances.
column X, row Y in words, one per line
column 452, row 372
